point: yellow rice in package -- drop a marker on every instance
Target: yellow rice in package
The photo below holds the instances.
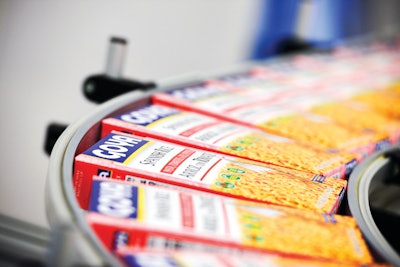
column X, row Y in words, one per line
column 132, row 158
column 161, row 218
column 206, row 132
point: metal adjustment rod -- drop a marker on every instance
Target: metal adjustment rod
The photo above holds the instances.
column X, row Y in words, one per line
column 116, row 57
column 102, row 87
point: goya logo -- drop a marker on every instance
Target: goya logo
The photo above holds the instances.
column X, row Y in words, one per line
column 114, row 199
column 104, row 173
column 350, row 166
column 147, row 115
column 121, row 239
column 115, row 147
column 150, row 259
column 194, row 93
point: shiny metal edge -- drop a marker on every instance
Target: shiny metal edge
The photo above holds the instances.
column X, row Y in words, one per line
column 63, row 211
column 358, row 200
column 62, row 208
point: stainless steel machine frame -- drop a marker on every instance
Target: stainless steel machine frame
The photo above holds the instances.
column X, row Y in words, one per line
column 368, row 188
column 74, row 243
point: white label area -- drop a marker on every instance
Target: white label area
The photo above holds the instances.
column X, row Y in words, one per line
column 260, row 113
column 233, row 226
column 162, row 207
column 199, row 128
column 201, row 213
column 182, row 122
column 225, row 102
column 307, row 101
column 216, row 132
column 209, row 215
column 180, row 162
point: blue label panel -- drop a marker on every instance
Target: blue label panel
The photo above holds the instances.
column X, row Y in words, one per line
column 382, row 144
column 350, row 166
column 114, row 199
column 148, row 114
column 198, row 92
column 121, row 239
column 104, row 173
column 116, row 147
column 149, row 260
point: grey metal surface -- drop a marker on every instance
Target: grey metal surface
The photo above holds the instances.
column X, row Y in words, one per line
column 22, row 243
column 363, row 181
column 79, row 245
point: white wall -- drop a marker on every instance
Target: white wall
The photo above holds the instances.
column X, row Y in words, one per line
column 47, row 49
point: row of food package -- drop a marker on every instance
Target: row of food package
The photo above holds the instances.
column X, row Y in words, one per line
column 278, row 140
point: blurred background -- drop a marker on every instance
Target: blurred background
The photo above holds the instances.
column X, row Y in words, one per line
column 48, row 48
